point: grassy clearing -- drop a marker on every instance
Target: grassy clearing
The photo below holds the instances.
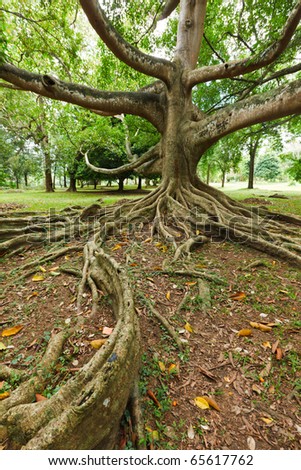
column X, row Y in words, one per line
column 291, row 205
column 41, row 201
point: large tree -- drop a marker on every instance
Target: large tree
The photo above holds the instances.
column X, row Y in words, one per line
column 182, row 206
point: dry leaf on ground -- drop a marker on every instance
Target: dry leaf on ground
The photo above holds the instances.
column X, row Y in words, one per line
column 40, row 397
column 251, row 443
column 202, row 403
column 244, row 332
column 37, row 278
column 153, row 397
column 188, row 328
column 4, row 395
column 238, row 296
column 11, row 331
column 260, row 326
column 97, row 343
column 212, row 403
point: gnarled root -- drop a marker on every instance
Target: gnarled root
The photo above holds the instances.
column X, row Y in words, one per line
column 86, row 411
column 186, row 215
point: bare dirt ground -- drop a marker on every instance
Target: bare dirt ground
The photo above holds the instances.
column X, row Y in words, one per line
column 250, row 374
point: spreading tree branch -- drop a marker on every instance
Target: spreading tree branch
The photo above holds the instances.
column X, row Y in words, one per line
column 141, row 104
column 169, row 7
column 130, row 55
column 254, row 62
column 269, row 106
column 151, row 155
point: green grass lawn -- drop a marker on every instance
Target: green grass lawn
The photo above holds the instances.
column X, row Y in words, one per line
column 292, row 205
column 41, row 201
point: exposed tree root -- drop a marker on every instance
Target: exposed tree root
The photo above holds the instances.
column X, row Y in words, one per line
column 196, row 214
column 65, row 421
column 171, row 331
column 137, row 418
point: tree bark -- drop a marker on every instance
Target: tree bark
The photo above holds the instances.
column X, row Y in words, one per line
column 121, row 184
column 252, row 152
column 72, row 183
column 139, row 186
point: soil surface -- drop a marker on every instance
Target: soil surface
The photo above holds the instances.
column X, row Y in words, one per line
column 250, row 374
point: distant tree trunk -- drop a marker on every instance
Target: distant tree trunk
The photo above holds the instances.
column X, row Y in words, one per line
column 47, row 165
column 72, row 184
column 48, row 181
column 139, row 183
column 26, row 178
column 65, row 180
column 17, row 182
column 208, row 174
column 252, row 152
column 223, row 179
column 95, row 183
column 121, row 184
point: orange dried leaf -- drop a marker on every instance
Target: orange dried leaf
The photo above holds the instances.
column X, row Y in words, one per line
column 168, row 295
column 212, row 403
column 174, row 403
column 12, row 331
column 34, row 294
column 161, row 366
column 152, row 396
column 266, row 345
column 238, row 296
column 190, row 283
column 4, row 395
column 245, row 332
column 279, row 354
column 40, row 397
